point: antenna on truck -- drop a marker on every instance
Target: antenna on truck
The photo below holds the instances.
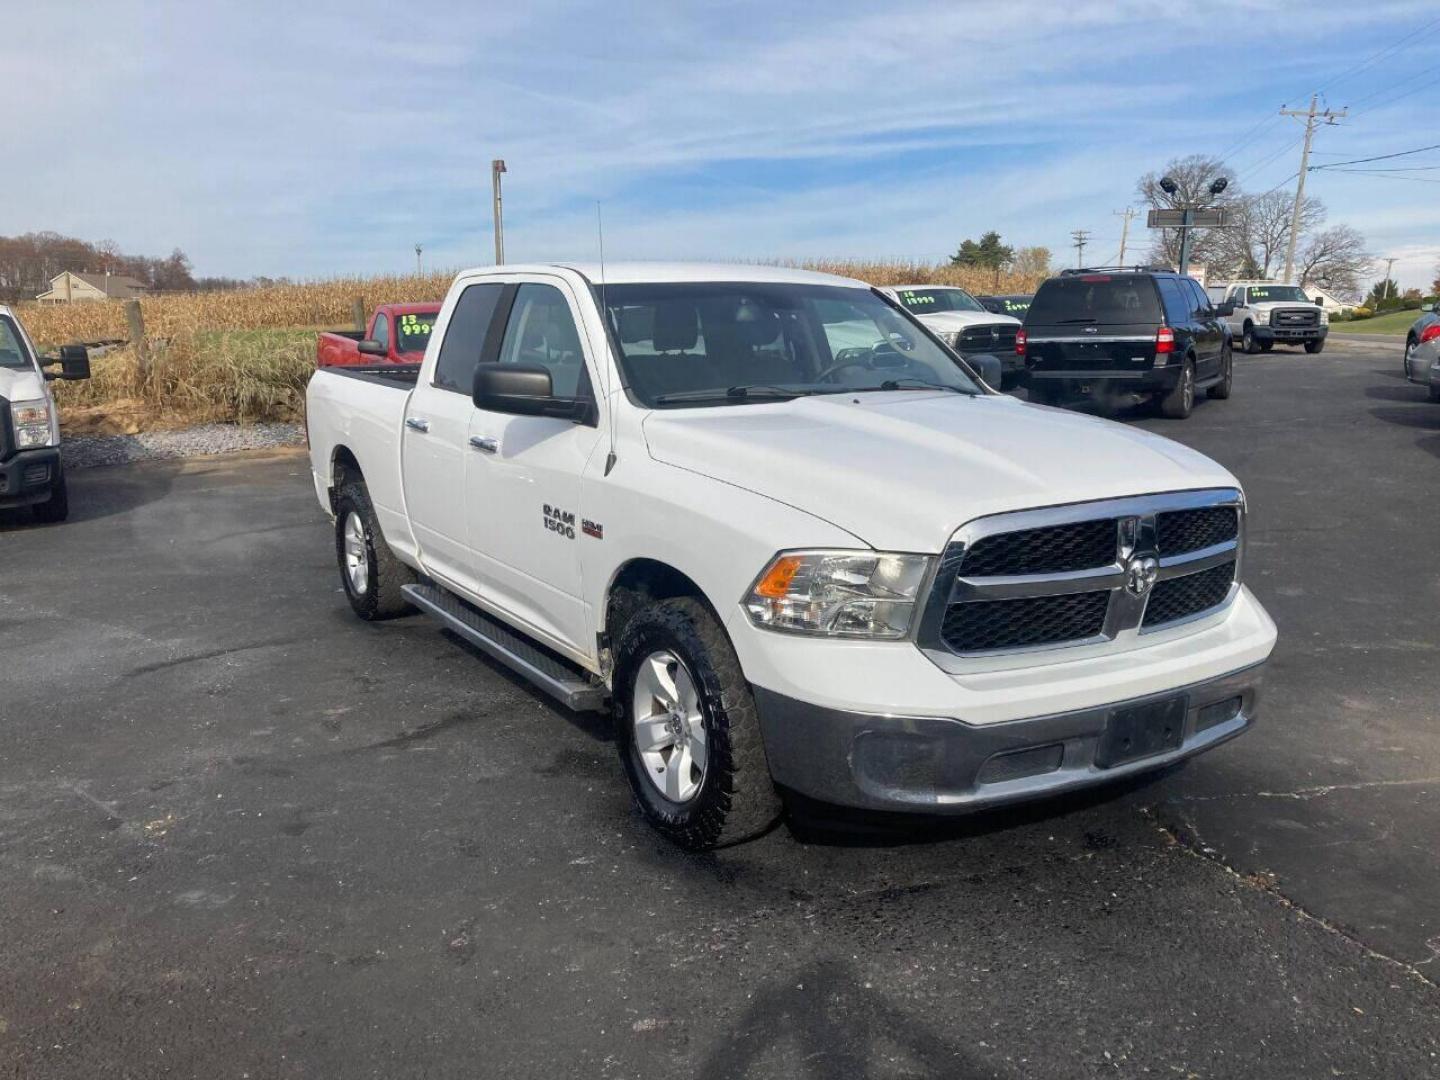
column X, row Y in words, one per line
column 605, row 321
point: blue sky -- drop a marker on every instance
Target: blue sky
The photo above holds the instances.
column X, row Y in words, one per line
column 311, row 139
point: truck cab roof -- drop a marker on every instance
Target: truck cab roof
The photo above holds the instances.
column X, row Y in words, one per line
column 631, row 273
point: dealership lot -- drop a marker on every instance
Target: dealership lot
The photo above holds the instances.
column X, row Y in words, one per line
column 243, row 833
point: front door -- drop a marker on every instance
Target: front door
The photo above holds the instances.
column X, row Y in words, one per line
column 434, row 452
column 524, row 474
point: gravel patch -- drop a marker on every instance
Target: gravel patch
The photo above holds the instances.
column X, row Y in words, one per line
column 85, row 451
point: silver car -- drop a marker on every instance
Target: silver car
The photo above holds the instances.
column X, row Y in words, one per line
column 1422, row 352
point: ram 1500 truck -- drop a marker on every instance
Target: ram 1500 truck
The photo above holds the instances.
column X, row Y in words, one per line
column 31, row 473
column 1265, row 315
column 396, row 334
column 793, row 542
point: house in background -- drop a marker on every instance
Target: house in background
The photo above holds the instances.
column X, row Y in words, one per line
column 70, row 287
column 1327, row 300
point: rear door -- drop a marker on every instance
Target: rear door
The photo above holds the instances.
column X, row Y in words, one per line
column 434, row 452
column 1093, row 325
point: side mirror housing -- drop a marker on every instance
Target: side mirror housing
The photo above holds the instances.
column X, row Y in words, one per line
column 1225, row 309
column 989, row 368
column 525, row 390
column 371, row 347
column 74, row 361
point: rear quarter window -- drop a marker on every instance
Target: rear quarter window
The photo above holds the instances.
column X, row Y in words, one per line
column 1095, row 298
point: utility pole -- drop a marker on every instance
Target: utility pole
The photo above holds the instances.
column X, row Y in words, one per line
column 1310, row 116
column 418, row 249
column 1128, row 213
column 1081, row 238
column 497, row 166
column 1385, row 284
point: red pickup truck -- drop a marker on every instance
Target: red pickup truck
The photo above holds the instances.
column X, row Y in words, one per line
column 397, row 334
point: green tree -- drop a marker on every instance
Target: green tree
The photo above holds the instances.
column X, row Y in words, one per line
column 988, row 252
column 1383, row 294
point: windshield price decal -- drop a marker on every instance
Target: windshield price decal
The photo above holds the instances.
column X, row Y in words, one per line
column 917, row 298
column 413, row 324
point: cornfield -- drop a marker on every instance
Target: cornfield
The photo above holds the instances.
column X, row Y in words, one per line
column 246, row 355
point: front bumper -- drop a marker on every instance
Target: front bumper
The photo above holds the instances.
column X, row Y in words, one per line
column 1289, row 335
column 944, row 765
column 28, row 477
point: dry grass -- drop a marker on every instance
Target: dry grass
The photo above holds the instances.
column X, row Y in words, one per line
column 246, row 356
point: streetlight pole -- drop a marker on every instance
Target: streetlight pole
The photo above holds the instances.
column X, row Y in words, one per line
column 418, row 249
column 497, row 166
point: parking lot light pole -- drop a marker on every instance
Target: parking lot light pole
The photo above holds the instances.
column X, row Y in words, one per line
column 497, row 166
column 1194, row 217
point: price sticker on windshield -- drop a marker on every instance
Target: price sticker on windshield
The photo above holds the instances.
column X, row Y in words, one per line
column 914, row 299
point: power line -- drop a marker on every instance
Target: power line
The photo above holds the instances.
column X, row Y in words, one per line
column 1401, row 97
column 1385, row 176
column 1256, row 166
column 1377, row 56
column 1247, row 138
column 1378, row 157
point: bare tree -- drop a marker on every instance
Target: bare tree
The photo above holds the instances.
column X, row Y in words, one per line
column 1335, row 259
column 1254, row 244
column 1193, row 176
column 1031, row 262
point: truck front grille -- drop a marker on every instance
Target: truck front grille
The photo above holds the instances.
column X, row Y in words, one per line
column 994, row 338
column 1289, row 317
column 1085, row 573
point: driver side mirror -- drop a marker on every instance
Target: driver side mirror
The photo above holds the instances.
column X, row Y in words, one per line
column 525, row 390
column 1226, row 308
column 371, row 347
column 74, row 361
column 989, row 368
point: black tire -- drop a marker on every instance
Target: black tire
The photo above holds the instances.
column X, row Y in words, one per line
column 1409, row 344
column 380, row 596
column 736, row 798
column 1248, row 344
column 1314, row 346
column 56, row 508
column 1266, row 346
column 1221, row 390
column 1178, row 403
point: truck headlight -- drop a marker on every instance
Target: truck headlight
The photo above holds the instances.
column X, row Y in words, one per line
column 31, row 420
column 855, row 594
column 1324, row 317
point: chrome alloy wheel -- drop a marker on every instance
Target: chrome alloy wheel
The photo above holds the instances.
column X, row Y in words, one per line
column 1187, row 387
column 669, row 727
column 357, row 555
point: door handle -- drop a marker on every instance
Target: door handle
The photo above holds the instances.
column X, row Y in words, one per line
column 485, row 443
column 417, row 423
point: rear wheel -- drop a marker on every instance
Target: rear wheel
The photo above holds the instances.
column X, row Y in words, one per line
column 369, row 571
column 1314, row 346
column 1177, row 404
column 56, row 508
column 1221, row 390
column 687, row 729
column 1409, row 348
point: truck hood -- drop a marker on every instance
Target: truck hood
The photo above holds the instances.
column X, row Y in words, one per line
column 903, row 470
column 949, row 321
column 21, row 384
column 1271, row 305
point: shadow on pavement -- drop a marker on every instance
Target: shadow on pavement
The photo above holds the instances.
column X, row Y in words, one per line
column 1427, row 419
column 102, row 492
column 1405, row 392
column 823, row 1020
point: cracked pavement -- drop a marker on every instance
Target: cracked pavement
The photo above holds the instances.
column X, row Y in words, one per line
column 242, row 833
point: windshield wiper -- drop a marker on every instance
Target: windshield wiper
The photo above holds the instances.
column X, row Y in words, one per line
column 910, row 384
column 752, row 392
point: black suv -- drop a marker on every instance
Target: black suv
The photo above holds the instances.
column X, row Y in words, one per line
column 1134, row 329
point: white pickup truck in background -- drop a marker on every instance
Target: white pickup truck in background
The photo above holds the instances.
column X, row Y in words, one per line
column 965, row 324
column 792, row 543
column 31, row 473
column 1266, row 315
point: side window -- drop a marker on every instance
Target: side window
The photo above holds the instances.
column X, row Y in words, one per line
column 542, row 332
column 381, row 332
column 1200, row 303
column 1240, row 298
column 1177, row 304
column 465, row 337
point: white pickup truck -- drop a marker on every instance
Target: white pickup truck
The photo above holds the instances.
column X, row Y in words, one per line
column 965, row 324
column 30, row 468
column 1265, row 315
column 792, row 541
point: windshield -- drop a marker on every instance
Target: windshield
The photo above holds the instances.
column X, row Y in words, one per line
column 1265, row 294
column 929, row 301
column 1007, row 305
column 413, row 330
column 731, row 342
column 13, row 353
column 1094, row 298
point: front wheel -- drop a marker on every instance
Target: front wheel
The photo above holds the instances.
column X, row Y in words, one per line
column 1409, row 348
column 1221, row 390
column 687, row 729
column 369, row 571
column 1247, row 340
column 56, row 508
column 1314, row 346
column 1176, row 404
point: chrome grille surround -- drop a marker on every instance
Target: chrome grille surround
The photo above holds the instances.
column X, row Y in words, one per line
column 1137, row 536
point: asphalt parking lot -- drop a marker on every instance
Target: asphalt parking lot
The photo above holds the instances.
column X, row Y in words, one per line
column 244, row 834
